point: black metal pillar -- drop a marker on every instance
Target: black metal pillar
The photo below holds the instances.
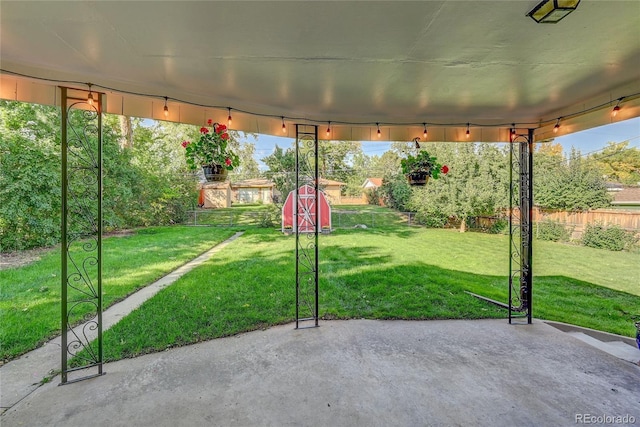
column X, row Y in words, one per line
column 307, row 224
column 520, row 227
column 81, row 235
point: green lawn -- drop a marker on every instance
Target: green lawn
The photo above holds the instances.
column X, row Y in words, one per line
column 348, row 216
column 30, row 296
column 385, row 272
column 401, row 273
column 237, row 216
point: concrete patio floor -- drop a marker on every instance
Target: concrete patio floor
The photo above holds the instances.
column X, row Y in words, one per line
column 353, row 373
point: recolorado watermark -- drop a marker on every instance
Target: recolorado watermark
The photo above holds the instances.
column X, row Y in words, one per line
column 605, row 419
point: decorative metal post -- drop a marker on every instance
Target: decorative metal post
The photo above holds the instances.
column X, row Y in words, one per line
column 306, row 223
column 81, row 235
column 520, row 227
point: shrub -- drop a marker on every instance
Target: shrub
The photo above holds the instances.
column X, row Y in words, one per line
column 499, row 226
column 270, row 217
column 553, row 231
column 612, row 238
column 373, row 196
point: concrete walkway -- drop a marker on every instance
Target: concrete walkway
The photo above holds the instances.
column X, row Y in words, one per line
column 354, row 373
column 22, row 376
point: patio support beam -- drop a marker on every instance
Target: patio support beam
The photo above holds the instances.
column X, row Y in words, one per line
column 306, row 223
column 520, row 227
column 81, row 235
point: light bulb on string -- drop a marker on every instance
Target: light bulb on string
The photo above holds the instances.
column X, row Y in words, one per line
column 379, row 133
column 615, row 110
column 468, row 133
column 284, row 127
column 556, row 127
column 166, row 108
column 90, row 96
column 329, row 129
column 424, row 134
column 229, row 119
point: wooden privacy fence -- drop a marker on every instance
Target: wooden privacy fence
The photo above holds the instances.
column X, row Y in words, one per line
column 628, row 220
column 578, row 221
column 352, row 200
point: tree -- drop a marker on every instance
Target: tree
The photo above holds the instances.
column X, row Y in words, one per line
column 144, row 185
column 619, row 163
column 282, row 167
column 572, row 184
column 336, row 159
column 387, row 164
column 477, row 184
column 248, row 167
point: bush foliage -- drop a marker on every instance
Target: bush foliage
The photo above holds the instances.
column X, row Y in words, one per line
column 612, row 238
column 553, row 231
column 139, row 189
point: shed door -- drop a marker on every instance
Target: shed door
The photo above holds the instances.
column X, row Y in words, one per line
column 306, row 212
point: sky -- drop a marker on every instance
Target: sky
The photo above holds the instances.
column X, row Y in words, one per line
column 587, row 141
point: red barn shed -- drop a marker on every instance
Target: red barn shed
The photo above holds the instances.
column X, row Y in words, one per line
column 306, row 211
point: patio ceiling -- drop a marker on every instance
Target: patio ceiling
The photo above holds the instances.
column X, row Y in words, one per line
column 399, row 64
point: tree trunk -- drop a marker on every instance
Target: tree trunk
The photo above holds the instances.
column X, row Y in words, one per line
column 463, row 225
column 126, row 141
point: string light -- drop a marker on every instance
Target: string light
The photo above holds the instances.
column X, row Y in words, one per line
column 379, row 133
column 166, row 108
column 329, row 129
column 424, row 134
column 90, row 97
column 91, row 100
column 284, row 128
column 229, row 119
column 615, row 110
column 468, row 130
column 556, row 127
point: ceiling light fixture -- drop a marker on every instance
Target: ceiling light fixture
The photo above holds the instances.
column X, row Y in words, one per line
column 90, row 97
column 379, row 134
column 284, row 128
column 166, row 108
column 329, row 129
column 552, row 11
column 556, row 127
column 424, row 134
column 468, row 133
column 229, row 119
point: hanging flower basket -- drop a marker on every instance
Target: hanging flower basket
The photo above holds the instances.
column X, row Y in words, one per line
column 419, row 168
column 418, row 179
column 215, row 173
column 212, row 152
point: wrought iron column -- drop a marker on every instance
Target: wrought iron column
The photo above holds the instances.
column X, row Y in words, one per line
column 520, row 227
column 306, row 223
column 81, row 235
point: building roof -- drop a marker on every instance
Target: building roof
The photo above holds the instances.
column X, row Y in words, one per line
column 627, row 196
column 253, row 183
column 377, row 182
column 326, row 182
